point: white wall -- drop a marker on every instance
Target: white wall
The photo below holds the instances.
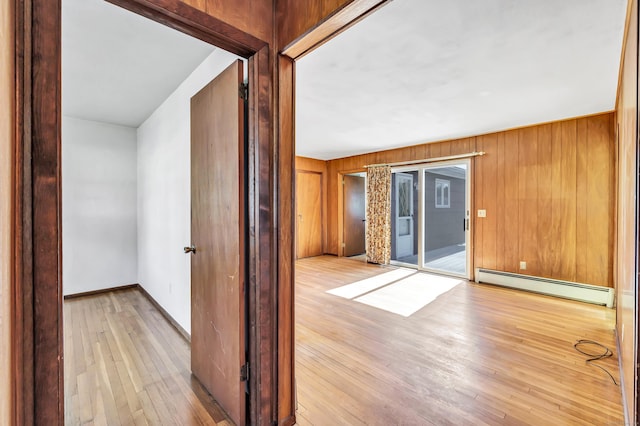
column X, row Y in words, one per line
column 164, row 194
column 98, row 205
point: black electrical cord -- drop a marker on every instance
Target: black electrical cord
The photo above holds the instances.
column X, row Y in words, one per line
column 595, row 357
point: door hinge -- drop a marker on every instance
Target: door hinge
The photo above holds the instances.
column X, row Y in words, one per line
column 244, row 372
column 243, row 91
column 343, row 245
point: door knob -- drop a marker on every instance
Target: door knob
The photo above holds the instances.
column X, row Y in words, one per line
column 191, row 249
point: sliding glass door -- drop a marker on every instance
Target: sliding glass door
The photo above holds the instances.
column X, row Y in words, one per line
column 430, row 217
column 446, row 218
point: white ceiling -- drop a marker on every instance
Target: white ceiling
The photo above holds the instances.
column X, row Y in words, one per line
column 118, row 67
column 427, row 70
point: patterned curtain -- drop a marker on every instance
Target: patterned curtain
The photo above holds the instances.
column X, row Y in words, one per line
column 379, row 214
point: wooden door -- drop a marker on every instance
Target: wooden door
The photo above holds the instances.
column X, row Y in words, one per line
column 354, row 215
column 218, row 235
column 308, row 214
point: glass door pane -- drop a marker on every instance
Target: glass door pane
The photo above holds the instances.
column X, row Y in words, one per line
column 445, row 218
column 404, row 212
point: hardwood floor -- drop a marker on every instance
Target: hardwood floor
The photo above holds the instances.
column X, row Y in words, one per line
column 476, row 355
column 125, row 364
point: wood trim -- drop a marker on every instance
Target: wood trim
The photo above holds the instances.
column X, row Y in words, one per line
column 286, row 233
column 38, row 322
column 341, row 19
column 289, row 421
column 263, row 247
column 22, row 327
column 100, row 291
column 340, row 213
column 196, row 23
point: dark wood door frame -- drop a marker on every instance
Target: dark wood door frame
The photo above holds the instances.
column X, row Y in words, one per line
column 37, row 351
column 37, row 318
column 343, row 18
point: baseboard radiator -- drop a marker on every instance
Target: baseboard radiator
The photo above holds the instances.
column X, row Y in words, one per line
column 565, row 289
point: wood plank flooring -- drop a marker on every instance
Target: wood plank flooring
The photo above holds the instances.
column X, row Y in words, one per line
column 477, row 355
column 125, row 364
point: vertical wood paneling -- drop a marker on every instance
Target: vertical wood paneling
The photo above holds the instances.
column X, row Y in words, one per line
column 567, row 253
column 512, row 230
column 557, row 201
column 500, row 207
column 599, row 198
column 583, row 203
column 333, row 204
column 528, row 197
column 490, row 223
column 546, row 239
column 477, row 190
column 547, row 190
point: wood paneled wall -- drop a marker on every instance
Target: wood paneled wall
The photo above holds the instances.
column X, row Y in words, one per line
column 6, row 215
column 625, row 273
column 549, row 195
column 317, row 166
column 548, row 191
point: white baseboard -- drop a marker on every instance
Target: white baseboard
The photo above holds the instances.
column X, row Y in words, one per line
column 566, row 289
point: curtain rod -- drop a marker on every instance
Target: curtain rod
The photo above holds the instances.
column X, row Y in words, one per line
column 429, row 160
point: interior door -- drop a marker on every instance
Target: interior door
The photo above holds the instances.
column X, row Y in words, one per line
column 404, row 215
column 308, row 214
column 218, row 236
column 354, row 215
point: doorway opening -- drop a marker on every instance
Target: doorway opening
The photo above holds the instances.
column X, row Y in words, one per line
column 430, row 210
column 140, row 182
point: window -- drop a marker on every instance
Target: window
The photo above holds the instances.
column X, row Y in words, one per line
column 442, row 194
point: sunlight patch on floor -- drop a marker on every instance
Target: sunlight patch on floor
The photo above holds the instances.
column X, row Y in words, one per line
column 410, row 294
column 361, row 287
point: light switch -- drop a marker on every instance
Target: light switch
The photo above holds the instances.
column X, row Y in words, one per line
column 482, row 213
